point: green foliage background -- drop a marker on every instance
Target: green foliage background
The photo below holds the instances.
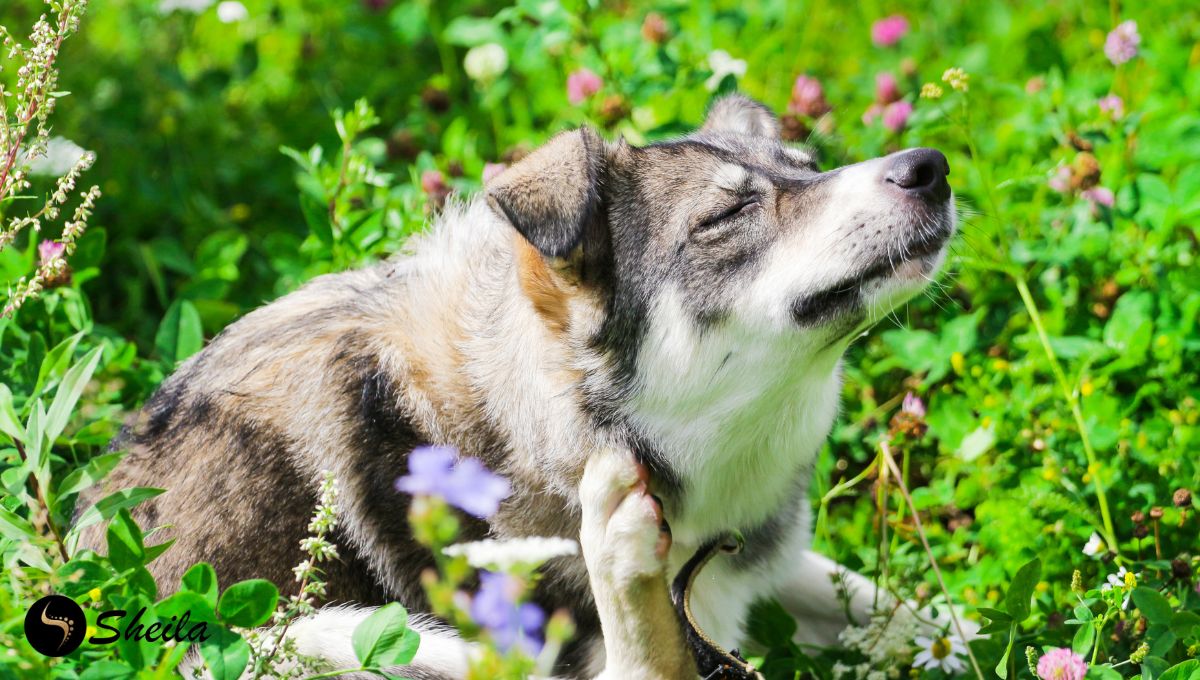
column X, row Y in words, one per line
column 204, row 218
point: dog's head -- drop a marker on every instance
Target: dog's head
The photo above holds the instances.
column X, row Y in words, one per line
column 729, row 227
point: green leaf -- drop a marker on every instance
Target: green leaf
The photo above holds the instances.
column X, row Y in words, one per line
column 15, row 527
column 1183, row 623
column 1153, row 605
column 1084, row 638
column 770, row 624
column 1021, row 590
column 1102, row 673
column 107, row 669
column 248, row 603
column 110, row 505
column 467, row 31
column 56, row 361
column 1002, row 667
column 994, row 614
column 69, row 391
column 126, row 549
column 202, row 579
column 384, row 639
column 316, row 216
column 1188, row 670
column 88, row 475
column 10, row 424
column 180, row 334
column 977, row 443
column 226, row 654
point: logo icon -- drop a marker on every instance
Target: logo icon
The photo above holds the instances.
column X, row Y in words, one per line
column 55, row 625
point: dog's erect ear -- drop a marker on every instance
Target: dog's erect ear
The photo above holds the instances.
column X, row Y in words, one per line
column 552, row 194
column 741, row 115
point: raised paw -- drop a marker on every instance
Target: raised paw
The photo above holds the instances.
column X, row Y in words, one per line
column 624, row 537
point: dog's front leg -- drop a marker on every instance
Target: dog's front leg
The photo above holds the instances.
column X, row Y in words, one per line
column 625, row 548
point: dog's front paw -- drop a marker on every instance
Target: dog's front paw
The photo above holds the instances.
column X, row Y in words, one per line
column 624, row 537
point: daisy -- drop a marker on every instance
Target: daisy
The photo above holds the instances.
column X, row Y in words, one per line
column 945, row 652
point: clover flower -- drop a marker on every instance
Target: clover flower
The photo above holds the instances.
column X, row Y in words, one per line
column 492, row 170
column 887, row 90
column 896, row 114
column 723, row 64
column 1122, row 42
column 582, row 84
column 945, row 653
column 913, row 405
column 1061, row 664
column 465, row 484
column 1100, row 196
column 49, row 251
column 531, row 551
column 1112, row 105
column 888, row 31
column 808, row 97
column 496, row 606
column 655, row 29
column 484, row 63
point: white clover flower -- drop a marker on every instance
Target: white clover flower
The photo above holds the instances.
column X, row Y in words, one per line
column 723, row 64
column 61, row 155
column 945, row 653
column 232, row 11
column 193, row 6
column 504, row 555
column 1094, row 546
column 486, row 62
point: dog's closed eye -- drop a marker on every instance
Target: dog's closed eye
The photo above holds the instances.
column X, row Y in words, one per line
column 744, row 206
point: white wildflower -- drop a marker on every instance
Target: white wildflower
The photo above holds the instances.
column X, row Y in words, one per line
column 885, row 640
column 723, row 64
column 232, row 11
column 505, row 555
column 486, row 62
column 944, row 652
column 1094, row 546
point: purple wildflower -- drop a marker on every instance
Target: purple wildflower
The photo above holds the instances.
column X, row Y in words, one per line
column 1112, row 105
column 808, row 97
column 1061, row 664
column 887, row 90
column 496, row 608
column 467, row 485
column 1122, row 42
column 913, row 405
column 895, row 116
column 492, row 170
column 1060, row 181
column 582, row 84
column 49, row 251
column 1100, row 196
column 888, row 31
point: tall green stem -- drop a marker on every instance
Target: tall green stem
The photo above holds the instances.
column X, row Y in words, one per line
column 1068, row 391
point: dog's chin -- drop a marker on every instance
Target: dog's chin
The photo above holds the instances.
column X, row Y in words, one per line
column 859, row 301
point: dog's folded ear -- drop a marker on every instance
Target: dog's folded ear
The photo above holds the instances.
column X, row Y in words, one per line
column 551, row 195
column 741, row 115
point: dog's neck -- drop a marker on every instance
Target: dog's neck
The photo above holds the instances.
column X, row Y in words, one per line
column 736, row 418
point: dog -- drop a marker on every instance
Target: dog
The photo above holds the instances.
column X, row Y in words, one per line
column 646, row 341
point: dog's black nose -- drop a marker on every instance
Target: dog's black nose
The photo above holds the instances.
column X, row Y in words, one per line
column 921, row 172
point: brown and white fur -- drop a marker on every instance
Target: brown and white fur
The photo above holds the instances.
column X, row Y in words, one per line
column 628, row 334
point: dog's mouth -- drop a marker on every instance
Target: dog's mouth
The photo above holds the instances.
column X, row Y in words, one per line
column 911, row 260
